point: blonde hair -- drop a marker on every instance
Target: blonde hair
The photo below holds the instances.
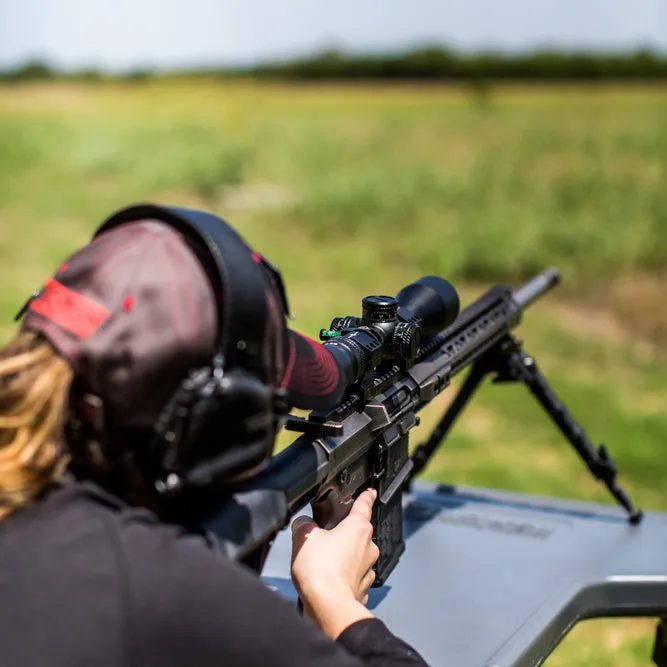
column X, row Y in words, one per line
column 34, row 391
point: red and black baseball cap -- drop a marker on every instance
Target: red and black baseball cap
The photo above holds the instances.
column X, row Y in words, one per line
column 136, row 309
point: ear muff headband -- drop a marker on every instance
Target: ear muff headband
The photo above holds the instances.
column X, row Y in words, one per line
column 243, row 314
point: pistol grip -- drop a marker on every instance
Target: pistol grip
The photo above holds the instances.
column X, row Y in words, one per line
column 331, row 510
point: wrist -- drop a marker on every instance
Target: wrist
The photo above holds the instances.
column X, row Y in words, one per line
column 324, row 591
column 334, row 613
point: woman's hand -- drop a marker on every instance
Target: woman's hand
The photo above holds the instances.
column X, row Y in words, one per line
column 332, row 569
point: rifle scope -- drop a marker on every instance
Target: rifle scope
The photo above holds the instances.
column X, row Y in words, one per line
column 391, row 327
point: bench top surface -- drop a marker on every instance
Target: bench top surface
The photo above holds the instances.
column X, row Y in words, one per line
column 497, row 578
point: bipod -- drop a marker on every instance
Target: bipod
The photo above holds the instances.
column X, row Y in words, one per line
column 510, row 363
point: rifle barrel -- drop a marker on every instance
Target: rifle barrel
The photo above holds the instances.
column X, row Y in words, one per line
column 536, row 287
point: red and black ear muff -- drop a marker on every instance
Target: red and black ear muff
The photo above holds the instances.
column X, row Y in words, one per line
column 221, row 419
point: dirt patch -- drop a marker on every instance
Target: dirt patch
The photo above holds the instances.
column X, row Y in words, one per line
column 479, row 423
column 257, row 197
column 640, row 303
column 236, row 198
column 38, row 97
column 184, row 198
column 547, row 459
column 629, row 310
column 590, row 319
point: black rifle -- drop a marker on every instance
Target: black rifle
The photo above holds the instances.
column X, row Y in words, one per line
column 397, row 357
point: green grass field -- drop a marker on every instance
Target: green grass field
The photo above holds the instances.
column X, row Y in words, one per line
column 358, row 190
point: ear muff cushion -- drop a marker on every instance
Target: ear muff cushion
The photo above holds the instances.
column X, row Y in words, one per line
column 228, row 428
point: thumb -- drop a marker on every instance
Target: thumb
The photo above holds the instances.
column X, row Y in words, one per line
column 302, row 526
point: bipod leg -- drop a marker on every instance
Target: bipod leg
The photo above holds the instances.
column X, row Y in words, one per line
column 517, row 365
column 424, row 452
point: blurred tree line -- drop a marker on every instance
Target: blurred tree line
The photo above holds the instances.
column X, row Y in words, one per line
column 425, row 64
column 435, row 63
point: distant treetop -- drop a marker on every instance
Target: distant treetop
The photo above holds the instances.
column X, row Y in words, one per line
column 434, row 63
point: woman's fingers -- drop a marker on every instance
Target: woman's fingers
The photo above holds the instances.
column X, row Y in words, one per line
column 302, row 526
column 367, row 581
column 363, row 505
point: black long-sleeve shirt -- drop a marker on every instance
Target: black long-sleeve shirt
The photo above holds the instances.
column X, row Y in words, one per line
column 86, row 580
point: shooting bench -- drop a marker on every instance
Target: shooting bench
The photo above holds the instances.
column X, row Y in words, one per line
column 496, row 579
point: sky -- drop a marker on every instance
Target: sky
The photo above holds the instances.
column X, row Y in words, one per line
column 125, row 34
